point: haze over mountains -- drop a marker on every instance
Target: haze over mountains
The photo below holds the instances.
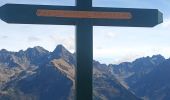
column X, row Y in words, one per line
column 37, row 74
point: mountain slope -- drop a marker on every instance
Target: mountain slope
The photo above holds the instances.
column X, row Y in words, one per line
column 36, row 74
column 156, row 85
column 106, row 86
column 147, row 77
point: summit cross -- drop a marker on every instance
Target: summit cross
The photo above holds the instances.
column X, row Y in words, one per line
column 84, row 16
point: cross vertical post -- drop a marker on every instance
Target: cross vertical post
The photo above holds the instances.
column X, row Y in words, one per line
column 84, row 54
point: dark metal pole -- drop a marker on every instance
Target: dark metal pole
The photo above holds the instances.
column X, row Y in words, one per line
column 84, row 54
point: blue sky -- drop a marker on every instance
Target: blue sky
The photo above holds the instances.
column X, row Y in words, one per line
column 118, row 43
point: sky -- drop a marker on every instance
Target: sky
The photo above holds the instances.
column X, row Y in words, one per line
column 111, row 44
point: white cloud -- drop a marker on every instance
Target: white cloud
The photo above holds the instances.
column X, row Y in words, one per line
column 33, row 39
column 68, row 42
column 166, row 23
column 111, row 35
column 4, row 37
column 124, row 54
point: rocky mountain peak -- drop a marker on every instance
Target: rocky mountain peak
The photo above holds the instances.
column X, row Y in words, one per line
column 60, row 49
column 61, row 52
column 36, row 50
column 158, row 58
column 3, row 50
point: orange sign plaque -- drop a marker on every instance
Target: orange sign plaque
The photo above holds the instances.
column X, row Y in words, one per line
column 83, row 14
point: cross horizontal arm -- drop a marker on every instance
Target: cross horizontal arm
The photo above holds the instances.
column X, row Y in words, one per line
column 27, row 14
column 70, row 15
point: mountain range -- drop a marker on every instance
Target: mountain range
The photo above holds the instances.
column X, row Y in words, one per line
column 37, row 74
